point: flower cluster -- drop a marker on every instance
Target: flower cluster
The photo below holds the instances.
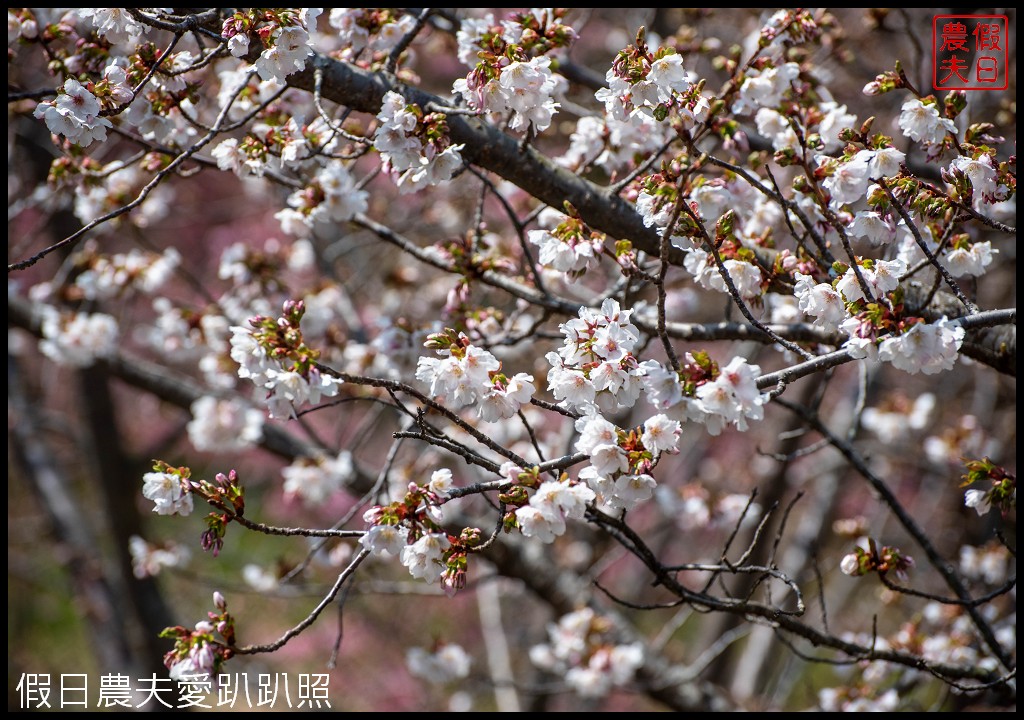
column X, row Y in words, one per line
column 468, row 375
column 938, row 633
column 148, row 559
column 77, row 339
column 980, row 170
column 105, row 191
column 511, row 74
column 614, row 144
column 659, row 201
column 850, row 176
column 169, row 488
column 925, row 347
column 315, row 479
column 817, row 225
column 109, row 276
column 115, row 24
column 850, row 699
column 897, row 417
column 262, row 580
column 653, row 84
column 880, row 277
column 877, row 326
column 581, row 648
column 746, row 277
column 705, row 393
column 874, row 559
column 989, row 563
column 410, row 529
column 75, row 114
column 331, row 197
column 621, row 462
column 1002, row 492
column 596, row 365
column 523, row 88
column 414, row 146
column 199, row 654
column 378, row 30
column 820, row 300
column 447, row 662
column 283, row 33
column 554, row 502
column 694, row 507
column 567, row 244
column 224, row 424
column 920, row 120
column 274, row 356
column 968, row 258
column 765, row 88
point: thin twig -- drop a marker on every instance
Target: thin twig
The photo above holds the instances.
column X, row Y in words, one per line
column 734, row 293
column 143, row 194
column 396, row 52
column 311, row 618
column 953, row 285
column 944, row 569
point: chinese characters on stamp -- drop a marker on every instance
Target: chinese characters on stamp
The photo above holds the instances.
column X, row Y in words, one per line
column 970, row 52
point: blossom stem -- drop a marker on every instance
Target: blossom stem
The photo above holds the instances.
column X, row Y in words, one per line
column 953, row 285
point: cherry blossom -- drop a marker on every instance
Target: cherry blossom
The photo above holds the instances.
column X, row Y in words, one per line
column 78, row 339
column 586, row 654
column 553, row 503
column 224, row 424
column 969, row 259
column 849, row 181
column 445, row 663
column 167, row 493
column 883, row 277
column 821, row 300
column 526, row 88
column 115, row 24
column 315, row 479
column 983, row 177
column 423, row 557
column 75, row 114
column 927, row 347
column 199, row 662
column 384, row 539
column 922, row 122
column 765, row 88
column 287, row 53
column 149, row 560
column 733, row 396
column 872, row 226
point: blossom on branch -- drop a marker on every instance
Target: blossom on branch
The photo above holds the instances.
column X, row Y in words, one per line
column 168, row 491
column 922, row 122
column 926, row 347
column 581, row 647
column 75, row 114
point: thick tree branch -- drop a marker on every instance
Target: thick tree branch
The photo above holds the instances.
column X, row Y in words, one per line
column 491, row 149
